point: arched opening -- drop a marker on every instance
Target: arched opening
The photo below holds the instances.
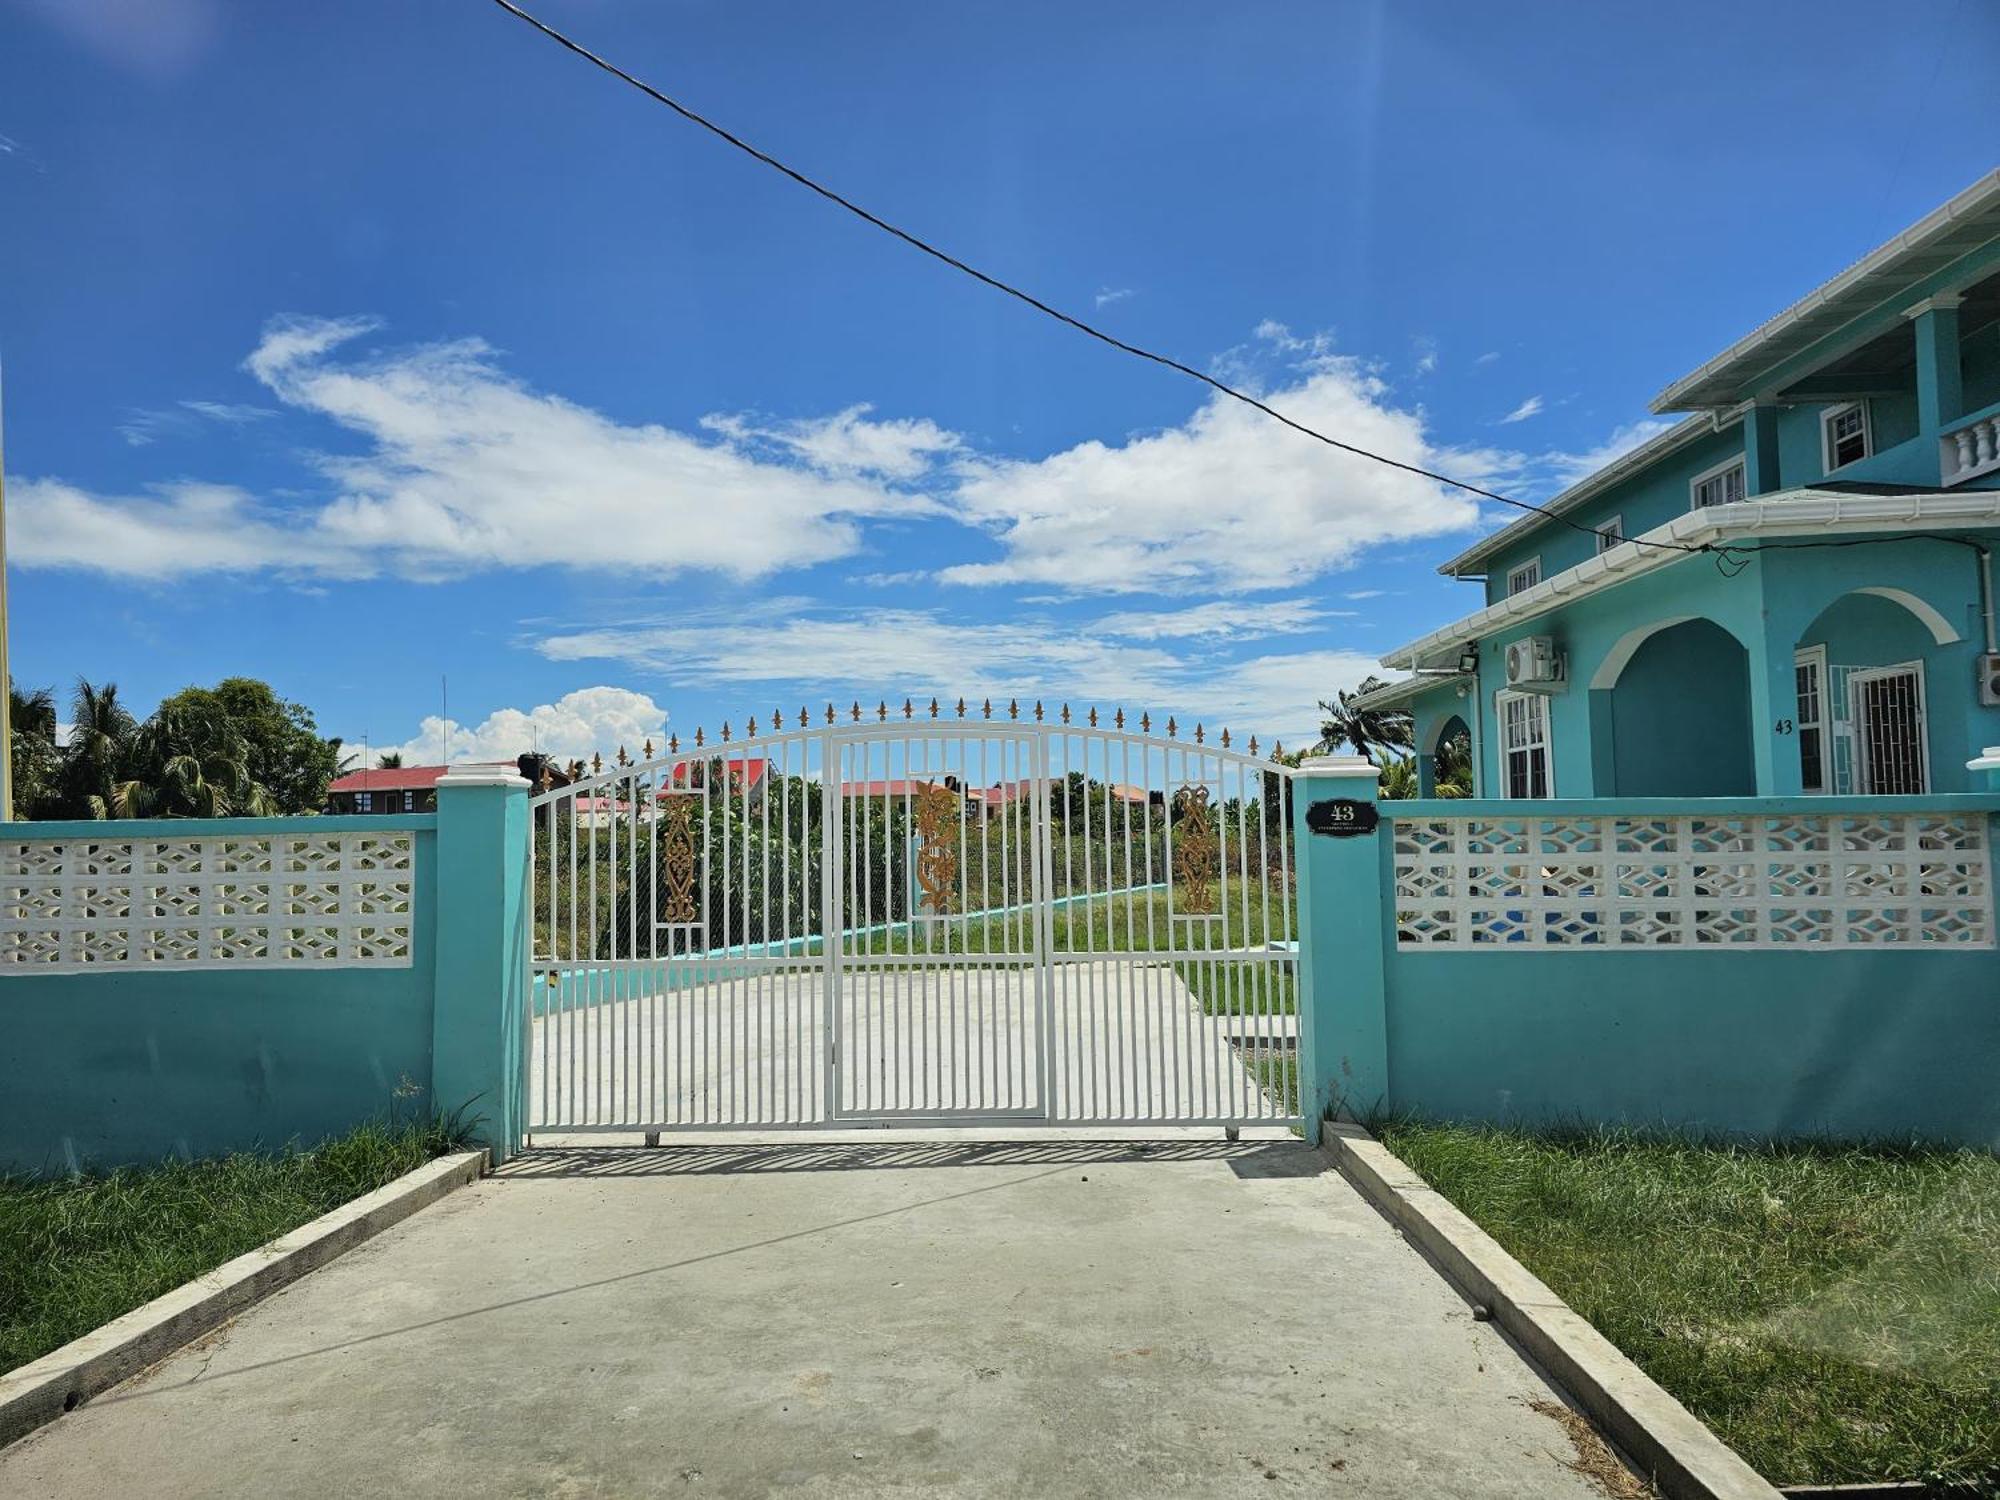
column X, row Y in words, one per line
column 1680, row 713
column 1444, row 764
column 1867, row 710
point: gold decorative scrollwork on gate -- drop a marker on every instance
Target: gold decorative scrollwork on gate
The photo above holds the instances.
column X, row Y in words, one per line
column 938, row 824
column 1195, row 850
column 677, row 859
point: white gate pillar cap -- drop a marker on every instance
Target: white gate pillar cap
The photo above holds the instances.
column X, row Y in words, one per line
column 1341, row 765
column 1989, row 760
column 466, row 775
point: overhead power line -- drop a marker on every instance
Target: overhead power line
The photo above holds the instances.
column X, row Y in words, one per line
column 1088, row 329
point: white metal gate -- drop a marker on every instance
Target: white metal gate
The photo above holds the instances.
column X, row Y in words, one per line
column 908, row 918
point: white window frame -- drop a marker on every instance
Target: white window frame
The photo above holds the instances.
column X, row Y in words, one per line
column 1532, row 565
column 1827, row 417
column 1610, row 533
column 1541, row 715
column 1814, row 657
column 1864, row 773
column 1695, row 484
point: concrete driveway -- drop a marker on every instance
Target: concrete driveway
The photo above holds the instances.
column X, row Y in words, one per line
column 938, row 1319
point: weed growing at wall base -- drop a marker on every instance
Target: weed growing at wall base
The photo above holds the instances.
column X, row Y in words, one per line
column 1833, row 1312
column 77, row 1252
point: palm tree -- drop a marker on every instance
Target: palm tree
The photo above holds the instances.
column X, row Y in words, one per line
column 189, row 762
column 389, row 760
column 1366, row 729
column 100, row 739
column 32, row 712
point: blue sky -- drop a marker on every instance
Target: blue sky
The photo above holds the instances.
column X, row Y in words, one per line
column 360, row 346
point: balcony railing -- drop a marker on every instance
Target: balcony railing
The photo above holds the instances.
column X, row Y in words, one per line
column 1971, row 448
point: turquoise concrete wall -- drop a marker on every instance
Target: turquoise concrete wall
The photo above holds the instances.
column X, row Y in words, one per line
column 1846, row 1044
column 1680, row 717
column 131, row 1066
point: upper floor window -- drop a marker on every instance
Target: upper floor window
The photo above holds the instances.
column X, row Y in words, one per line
column 1721, row 485
column 1844, row 434
column 409, row 802
column 1524, row 577
column 364, row 802
column 1610, row 532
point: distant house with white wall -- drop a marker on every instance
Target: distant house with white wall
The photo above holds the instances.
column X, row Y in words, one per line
column 1788, row 591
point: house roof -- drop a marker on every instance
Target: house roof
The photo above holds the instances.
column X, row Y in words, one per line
column 1396, row 694
column 1812, row 511
column 895, row 787
column 1473, row 559
column 1891, row 270
column 746, row 769
column 388, row 779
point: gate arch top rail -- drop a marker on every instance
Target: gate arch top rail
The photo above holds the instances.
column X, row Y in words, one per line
column 886, row 918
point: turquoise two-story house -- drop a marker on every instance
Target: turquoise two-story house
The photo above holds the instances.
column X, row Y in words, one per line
column 1788, row 591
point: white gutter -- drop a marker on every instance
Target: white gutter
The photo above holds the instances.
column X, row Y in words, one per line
column 1789, row 513
column 1981, row 196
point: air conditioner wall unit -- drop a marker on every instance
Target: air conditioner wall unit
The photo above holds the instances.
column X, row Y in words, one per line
column 1534, row 665
column 1989, row 679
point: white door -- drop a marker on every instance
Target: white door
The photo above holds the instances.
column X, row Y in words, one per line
column 1891, row 745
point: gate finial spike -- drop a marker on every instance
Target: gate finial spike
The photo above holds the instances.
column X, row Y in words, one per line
column 697, row 736
column 1038, row 710
column 596, row 763
column 855, row 711
column 1093, row 716
column 961, row 708
column 752, row 729
column 725, row 731
column 1197, row 732
column 986, row 708
column 1118, row 719
column 673, row 744
column 1172, row 728
column 1253, row 744
column 882, row 711
column 934, row 707
column 1225, row 737
column 908, row 708
column 546, row 779
column 829, row 713
column 1278, row 750
column 647, row 749
column 1065, row 713
column 1013, row 708
column 777, row 719
column 1146, row 722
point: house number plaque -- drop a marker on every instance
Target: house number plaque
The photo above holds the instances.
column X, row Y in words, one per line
column 1341, row 817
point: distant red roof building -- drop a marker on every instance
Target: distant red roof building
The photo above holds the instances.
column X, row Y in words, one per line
column 746, row 773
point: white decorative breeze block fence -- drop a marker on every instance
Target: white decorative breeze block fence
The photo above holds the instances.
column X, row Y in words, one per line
column 1827, row 881
column 259, row 900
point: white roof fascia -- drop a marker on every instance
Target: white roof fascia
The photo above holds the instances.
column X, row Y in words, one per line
column 1392, row 693
column 1620, row 468
column 1982, row 195
column 1789, row 513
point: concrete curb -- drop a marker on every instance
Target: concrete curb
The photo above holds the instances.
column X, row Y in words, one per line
column 39, row 1392
column 1684, row 1458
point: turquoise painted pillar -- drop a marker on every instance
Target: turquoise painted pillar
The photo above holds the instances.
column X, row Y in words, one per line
column 1940, row 382
column 1760, row 450
column 1343, row 1056
column 483, row 910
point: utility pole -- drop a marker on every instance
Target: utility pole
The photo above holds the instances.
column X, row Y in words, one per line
column 6, row 671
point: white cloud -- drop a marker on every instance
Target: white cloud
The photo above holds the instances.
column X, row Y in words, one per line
column 1525, row 410
column 175, row 530
column 1219, row 619
column 143, row 426
column 463, row 467
column 162, row 38
column 1568, row 468
column 1110, row 294
column 594, row 720
column 919, row 654
column 1229, row 500
column 234, row 414
column 845, row 443
column 1427, row 354
column 1488, row 357
column 1364, row 593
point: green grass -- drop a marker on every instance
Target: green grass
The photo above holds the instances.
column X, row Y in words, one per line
column 1832, row 1312
column 1134, row 922
column 77, row 1252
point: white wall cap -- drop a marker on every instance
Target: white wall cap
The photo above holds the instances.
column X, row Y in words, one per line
column 482, row 776
column 1341, row 765
column 1989, row 760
